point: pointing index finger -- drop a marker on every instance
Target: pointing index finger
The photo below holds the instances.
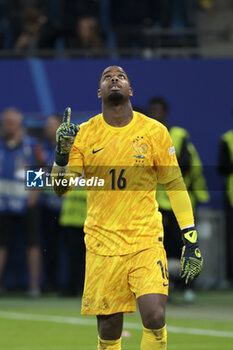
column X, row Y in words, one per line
column 66, row 115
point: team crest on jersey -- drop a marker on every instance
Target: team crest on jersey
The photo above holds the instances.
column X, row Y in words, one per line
column 140, row 147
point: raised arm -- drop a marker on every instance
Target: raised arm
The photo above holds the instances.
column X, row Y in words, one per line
column 65, row 137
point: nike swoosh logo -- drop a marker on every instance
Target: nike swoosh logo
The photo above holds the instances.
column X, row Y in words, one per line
column 93, row 151
column 165, row 285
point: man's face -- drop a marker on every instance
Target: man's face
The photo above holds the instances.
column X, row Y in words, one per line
column 114, row 85
column 11, row 124
column 51, row 127
column 85, row 28
column 157, row 112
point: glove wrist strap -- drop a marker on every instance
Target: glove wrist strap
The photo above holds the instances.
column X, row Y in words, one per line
column 61, row 159
column 189, row 237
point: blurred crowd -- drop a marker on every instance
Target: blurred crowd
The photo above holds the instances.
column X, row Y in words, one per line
column 53, row 226
column 27, row 25
column 49, row 225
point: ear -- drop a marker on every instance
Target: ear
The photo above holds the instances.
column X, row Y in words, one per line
column 99, row 93
column 130, row 91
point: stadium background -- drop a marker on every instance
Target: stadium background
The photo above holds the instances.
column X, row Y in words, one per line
column 197, row 82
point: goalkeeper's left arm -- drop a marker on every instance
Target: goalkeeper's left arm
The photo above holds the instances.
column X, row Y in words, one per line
column 191, row 258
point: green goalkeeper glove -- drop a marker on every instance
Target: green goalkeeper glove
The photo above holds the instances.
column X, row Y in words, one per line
column 65, row 136
column 191, row 258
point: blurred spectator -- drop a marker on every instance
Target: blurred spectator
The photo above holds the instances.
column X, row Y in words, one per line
column 50, row 206
column 131, row 12
column 5, row 27
column 178, row 14
column 192, row 171
column 128, row 18
column 73, row 215
column 36, row 31
column 225, row 167
column 205, row 4
column 51, row 23
column 73, row 10
column 87, row 34
column 18, row 207
column 186, row 152
column 131, row 18
column 61, row 227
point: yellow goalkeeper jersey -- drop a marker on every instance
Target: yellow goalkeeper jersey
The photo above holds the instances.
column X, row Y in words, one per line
column 123, row 216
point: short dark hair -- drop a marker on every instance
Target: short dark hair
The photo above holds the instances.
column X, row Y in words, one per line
column 159, row 100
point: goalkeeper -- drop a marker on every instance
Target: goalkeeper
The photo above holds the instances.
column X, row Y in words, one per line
column 125, row 256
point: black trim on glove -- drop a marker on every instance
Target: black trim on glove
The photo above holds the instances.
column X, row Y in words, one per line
column 61, row 159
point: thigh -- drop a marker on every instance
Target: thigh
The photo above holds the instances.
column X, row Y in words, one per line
column 106, row 289
column 148, row 273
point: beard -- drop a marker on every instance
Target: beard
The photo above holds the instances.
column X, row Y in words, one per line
column 115, row 97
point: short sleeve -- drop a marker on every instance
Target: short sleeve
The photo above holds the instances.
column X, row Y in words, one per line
column 164, row 157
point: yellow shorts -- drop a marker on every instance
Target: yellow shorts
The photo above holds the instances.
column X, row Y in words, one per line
column 113, row 283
